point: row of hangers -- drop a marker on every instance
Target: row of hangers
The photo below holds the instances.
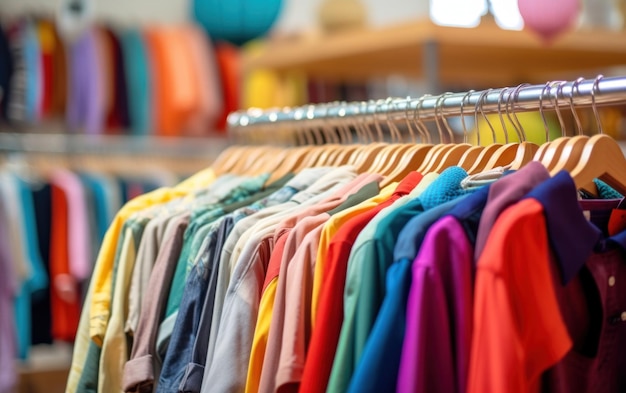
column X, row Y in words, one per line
column 585, row 158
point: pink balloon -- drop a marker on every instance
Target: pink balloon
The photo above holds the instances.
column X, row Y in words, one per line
column 548, row 18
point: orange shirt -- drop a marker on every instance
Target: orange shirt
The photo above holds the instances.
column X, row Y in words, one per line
column 518, row 329
column 64, row 296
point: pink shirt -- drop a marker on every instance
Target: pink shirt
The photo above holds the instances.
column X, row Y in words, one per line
column 79, row 246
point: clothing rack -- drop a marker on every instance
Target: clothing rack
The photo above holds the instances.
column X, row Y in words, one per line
column 523, row 98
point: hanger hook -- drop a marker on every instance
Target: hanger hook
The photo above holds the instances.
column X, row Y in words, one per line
column 508, row 114
column 479, row 107
column 417, row 117
column 515, row 117
column 377, row 121
column 575, row 85
column 438, row 102
column 500, row 116
column 467, row 95
column 393, row 129
column 541, row 108
column 559, row 91
column 444, row 119
column 594, row 106
column 409, row 127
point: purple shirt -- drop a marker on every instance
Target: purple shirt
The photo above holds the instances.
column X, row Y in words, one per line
column 435, row 353
column 85, row 107
column 505, row 192
column 589, row 286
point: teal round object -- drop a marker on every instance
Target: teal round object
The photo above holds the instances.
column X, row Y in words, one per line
column 236, row 21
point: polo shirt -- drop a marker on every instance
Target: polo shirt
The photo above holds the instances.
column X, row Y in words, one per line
column 331, row 277
column 288, row 333
column 516, row 334
column 587, row 261
column 240, row 305
column 440, row 292
column 365, row 286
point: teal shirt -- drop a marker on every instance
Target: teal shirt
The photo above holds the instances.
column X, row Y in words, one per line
column 138, row 83
column 371, row 255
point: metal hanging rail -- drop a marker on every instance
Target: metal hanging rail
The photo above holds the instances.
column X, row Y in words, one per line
column 523, row 98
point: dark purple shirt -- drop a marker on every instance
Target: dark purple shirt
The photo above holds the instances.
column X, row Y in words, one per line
column 590, row 272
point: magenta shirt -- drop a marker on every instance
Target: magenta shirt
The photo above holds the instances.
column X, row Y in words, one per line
column 439, row 312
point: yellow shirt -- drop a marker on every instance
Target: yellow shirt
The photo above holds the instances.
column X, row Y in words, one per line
column 103, row 270
column 330, row 228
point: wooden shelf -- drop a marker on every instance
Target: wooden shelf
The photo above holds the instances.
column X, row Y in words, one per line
column 454, row 56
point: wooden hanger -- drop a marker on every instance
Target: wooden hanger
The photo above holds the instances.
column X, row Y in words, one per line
column 601, row 158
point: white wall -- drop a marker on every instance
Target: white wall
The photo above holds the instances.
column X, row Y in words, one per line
column 122, row 11
column 296, row 15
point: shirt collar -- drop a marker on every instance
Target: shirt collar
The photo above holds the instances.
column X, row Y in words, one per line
column 572, row 237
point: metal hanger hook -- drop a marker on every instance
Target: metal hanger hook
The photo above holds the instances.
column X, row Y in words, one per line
column 467, row 95
column 479, row 107
column 541, row 108
column 417, row 117
column 594, row 106
column 517, row 125
column 500, row 116
column 575, row 86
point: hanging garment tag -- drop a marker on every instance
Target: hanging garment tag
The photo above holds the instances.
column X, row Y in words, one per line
column 617, row 221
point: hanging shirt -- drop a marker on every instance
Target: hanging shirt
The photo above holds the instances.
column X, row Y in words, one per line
column 85, row 106
column 365, row 287
column 138, row 81
column 516, row 335
column 8, row 291
column 17, row 196
column 587, row 261
column 194, row 370
column 439, row 308
column 40, row 300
